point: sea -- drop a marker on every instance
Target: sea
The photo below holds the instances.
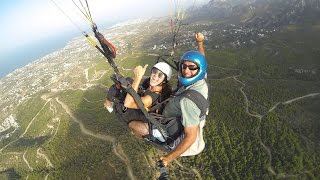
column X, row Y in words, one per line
column 20, row 57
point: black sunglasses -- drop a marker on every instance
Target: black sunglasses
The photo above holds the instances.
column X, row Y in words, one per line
column 190, row 67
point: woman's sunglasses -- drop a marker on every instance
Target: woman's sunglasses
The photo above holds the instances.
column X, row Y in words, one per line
column 190, row 67
column 158, row 73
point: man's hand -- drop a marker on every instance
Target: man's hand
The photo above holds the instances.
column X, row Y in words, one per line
column 190, row 135
column 199, row 37
column 165, row 160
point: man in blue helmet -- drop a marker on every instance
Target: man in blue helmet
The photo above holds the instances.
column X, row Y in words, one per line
column 191, row 75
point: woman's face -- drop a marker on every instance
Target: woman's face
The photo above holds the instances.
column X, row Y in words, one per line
column 156, row 77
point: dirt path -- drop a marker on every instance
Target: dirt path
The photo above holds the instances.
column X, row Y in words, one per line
column 299, row 98
column 95, row 78
column 42, row 155
column 27, row 126
column 25, row 160
column 256, row 115
column 259, row 117
column 34, row 118
column 102, row 100
column 117, row 149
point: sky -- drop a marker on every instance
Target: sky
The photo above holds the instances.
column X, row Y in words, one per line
column 26, row 22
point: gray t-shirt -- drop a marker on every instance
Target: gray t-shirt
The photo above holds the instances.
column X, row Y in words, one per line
column 185, row 108
column 189, row 111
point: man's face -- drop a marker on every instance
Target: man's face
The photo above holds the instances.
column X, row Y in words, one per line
column 189, row 69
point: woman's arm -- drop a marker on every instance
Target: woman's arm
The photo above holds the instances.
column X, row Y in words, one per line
column 129, row 102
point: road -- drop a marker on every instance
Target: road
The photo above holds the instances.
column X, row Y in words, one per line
column 117, row 148
column 260, row 117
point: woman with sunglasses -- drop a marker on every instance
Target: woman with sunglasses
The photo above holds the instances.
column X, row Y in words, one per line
column 158, row 90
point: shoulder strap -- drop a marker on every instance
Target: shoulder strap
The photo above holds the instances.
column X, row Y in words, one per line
column 139, row 102
column 154, row 96
column 198, row 99
column 158, row 105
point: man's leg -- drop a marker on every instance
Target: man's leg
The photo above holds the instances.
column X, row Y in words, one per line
column 139, row 129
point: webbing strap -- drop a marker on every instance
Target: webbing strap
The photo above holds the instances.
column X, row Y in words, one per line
column 195, row 96
column 198, row 99
column 139, row 102
column 108, row 50
column 157, row 106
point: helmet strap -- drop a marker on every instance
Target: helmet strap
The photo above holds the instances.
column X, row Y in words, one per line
column 159, row 85
column 162, row 83
column 198, row 71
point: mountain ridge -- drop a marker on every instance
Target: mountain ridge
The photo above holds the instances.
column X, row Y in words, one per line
column 262, row 13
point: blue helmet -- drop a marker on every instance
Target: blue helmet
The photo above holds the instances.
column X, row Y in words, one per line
column 197, row 58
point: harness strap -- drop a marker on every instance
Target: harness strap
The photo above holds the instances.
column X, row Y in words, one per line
column 139, row 102
column 108, row 50
column 198, row 99
column 194, row 96
column 106, row 45
column 157, row 106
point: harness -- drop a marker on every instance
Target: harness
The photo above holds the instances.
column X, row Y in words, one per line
column 195, row 96
column 173, row 125
column 108, row 50
column 170, row 127
column 198, row 99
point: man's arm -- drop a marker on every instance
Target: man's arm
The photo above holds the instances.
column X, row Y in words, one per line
column 200, row 38
column 189, row 138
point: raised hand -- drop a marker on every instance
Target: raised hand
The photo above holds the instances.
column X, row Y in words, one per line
column 139, row 71
column 199, row 37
